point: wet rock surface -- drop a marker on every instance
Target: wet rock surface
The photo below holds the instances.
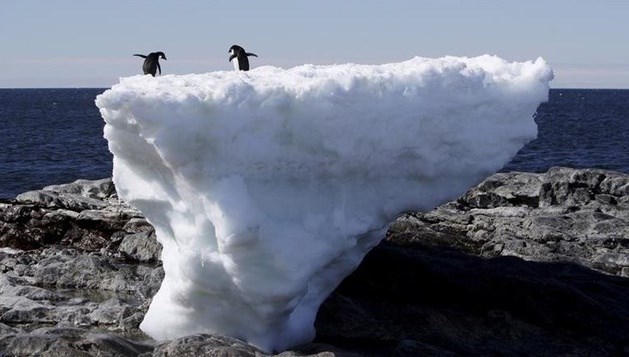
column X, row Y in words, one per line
column 523, row 263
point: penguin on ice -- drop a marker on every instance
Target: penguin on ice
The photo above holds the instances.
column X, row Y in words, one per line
column 241, row 62
column 151, row 62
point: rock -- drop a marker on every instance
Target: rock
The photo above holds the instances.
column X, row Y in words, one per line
column 16, row 230
column 21, row 310
column 66, row 287
column 206, row 345
column 8, row 330
column 97, row 189
column 71, row 342
column 70, row 269
column 137, row 225
column 85, row 214
column 580, row 216
column 429, row 300
column 142, row 247
column 522, row 264
column 111, row 312
column 151, row 280
column 219, row 345
column 51, row 199
column 101, row 220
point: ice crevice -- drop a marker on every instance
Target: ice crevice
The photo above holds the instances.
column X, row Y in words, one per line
column 266, row 188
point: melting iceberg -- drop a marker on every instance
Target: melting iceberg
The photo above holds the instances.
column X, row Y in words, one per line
column 266, row 188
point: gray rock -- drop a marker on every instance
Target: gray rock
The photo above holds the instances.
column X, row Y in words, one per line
column 97, row 189
column 137, row 225
column 71, row 269
column 43, row 198
column 142, row 247
column 206, row 345
column 111, row 312
column 151, row 280
column 8, row 330
column 219, row 345
column 52, row 199
column 66, row 286
column 21, row 310
column 437, row 301
column 522, row 264
column 85, row 214
column 565, row 214
column 71, row 342
column 102, row 220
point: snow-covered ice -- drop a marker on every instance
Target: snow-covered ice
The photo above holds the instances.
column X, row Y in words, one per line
column 266, row 188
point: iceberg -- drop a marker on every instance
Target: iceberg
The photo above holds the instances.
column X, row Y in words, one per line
column 266, row 188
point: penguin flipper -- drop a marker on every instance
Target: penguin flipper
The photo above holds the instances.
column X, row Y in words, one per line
column 231, row 57
column 159, row 68
column 143, row 56
column 251, row 54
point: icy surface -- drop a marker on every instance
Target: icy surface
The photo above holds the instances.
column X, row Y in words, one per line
column 266, row 188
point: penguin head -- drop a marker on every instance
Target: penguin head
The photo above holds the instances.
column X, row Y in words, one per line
column 156, row 55
column 235, row 49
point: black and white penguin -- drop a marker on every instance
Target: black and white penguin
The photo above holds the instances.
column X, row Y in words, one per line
column 241, row 62
column 151, row 62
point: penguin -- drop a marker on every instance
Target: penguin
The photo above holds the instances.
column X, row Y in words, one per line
column 242, row 62
column 151, row 62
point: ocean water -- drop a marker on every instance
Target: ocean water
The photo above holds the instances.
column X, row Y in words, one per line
column 50, row 136
column 53, row 136
column 579, row 128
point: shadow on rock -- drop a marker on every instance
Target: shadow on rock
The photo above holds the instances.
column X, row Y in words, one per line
column 428, row 301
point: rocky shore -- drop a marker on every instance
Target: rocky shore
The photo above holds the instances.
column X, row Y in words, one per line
column 523, row 263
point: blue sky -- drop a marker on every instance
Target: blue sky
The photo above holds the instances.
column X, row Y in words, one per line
column 68, row 43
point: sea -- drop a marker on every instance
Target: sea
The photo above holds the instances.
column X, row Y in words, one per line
column 55, row 136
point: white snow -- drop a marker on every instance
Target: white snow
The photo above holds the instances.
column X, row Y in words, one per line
column 267, row 187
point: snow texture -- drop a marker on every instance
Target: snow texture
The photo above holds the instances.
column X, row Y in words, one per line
column 267, row 187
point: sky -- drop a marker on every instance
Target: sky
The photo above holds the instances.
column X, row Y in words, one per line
column 90, row 43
